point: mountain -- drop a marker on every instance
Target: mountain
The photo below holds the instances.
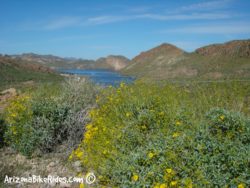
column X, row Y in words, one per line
column 166, row 50
column 230, row 60
column 154, row 60
column 236, row 48
column 16, row 71
column 111, row 62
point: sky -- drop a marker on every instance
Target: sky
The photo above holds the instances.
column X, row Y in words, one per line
column 92, row 29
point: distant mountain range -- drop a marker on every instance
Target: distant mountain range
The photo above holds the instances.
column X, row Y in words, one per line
column 111, row 62
column 230, row 60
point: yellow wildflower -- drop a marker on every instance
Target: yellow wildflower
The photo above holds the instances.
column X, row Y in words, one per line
column 78, row 153
column 151, row 155
column 81, row 185
column 89, row 126
column 177, row 123
column 175, row 135
column 169, row 170
column 128, row 114
column 135, row 177
column 173, row 183
column 222, row 117
column 163, row 185
column 71, row 157
column 241, row 185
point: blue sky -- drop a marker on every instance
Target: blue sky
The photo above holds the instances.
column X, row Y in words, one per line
column 92, row 29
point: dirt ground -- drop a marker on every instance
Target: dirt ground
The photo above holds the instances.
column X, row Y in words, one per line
column 51, row 164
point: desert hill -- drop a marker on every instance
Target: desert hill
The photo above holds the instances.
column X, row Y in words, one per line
column 230, row 60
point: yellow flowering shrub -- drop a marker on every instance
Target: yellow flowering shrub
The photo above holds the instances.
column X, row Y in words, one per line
column 145, row 135
column 16, row 115
column 50, row 115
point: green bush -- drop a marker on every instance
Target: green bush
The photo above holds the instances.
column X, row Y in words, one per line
column 223, row 144
column 49, row 116
column 225, row 124
column 146, row 135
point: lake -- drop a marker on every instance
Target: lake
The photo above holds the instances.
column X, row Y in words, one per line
column 102, row 77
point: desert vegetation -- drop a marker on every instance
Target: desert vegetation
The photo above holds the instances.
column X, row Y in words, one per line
column 48, row 116
column 169, row 136
column 139, row 135
column 173, row 132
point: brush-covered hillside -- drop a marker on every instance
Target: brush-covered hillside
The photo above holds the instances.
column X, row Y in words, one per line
column 16, row 71
column 230, row 60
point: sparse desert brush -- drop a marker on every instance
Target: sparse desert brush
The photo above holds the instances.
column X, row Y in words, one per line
column 144, row 135
column 50, row 115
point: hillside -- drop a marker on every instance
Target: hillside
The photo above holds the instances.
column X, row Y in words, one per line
column 236, row 48
column 219, row 61
column 16, row 71
column 111, row 62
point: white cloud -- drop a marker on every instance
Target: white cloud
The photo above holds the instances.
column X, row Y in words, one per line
column 206, row 5
column 159, row 17
column 77, row 21
column 105, row 19
column 225, row 29
column 194, row 16
column 62, row 22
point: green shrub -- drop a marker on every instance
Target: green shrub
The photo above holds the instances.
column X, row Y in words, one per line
column 223, row 144
column 146, row 135
column 228, row 125
column 50, row 116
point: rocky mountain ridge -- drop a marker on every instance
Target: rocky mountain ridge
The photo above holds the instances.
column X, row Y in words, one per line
column 230, row 60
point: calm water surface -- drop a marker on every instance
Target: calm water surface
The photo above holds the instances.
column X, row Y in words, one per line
column 102, row 77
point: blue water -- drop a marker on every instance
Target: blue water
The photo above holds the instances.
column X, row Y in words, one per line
column 102, row 77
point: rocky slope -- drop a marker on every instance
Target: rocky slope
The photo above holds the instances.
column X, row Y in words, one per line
column 230, row 60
